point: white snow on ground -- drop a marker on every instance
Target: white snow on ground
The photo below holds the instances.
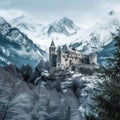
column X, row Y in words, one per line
column 85, row 92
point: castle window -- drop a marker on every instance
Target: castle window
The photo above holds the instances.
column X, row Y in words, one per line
column 82, row 61
column 53, row 49
column 63, row 56
column 70, row 62
column 66, row 59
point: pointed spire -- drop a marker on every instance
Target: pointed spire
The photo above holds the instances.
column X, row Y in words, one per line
column 52, row 44
column 59, row 49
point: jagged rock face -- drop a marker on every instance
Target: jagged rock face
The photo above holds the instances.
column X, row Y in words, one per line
column 4, row 26
column 60, row 30
column 64, row 31
column 16, row 47
column 99, row 38
column 64, row 26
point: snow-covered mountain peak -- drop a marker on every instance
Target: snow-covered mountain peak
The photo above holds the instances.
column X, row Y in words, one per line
column 61, row 30
column 68, row 22
column 19, row 18
column 27, row 25
column 109, row 22
column 4, row 26
column 63, row 26
column 97, row 37
column 22, row 19
column 64, row 31
column 112, row 12
column 16, row 47
column 2, row 20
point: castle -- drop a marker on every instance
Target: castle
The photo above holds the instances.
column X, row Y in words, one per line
column 65, row 57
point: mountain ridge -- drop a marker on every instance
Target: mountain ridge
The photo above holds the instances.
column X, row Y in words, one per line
column 95, row 39
column 43, row 34
column 15, row 44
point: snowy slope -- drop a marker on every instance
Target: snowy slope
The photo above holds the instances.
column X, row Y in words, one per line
column 62, row 30
column 17, row 48
column 98, row 36
column 27, row 26
column 63, row 26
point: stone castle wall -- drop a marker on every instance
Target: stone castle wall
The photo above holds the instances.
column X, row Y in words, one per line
column 64, row 60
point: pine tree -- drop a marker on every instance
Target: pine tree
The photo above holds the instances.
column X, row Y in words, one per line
column 107, row 97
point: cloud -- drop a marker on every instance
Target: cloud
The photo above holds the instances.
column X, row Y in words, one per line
column 4, row 3
column 11, row 13
column 83, row 12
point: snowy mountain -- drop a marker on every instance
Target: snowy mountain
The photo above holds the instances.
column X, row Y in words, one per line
column 27, row 26
column 16, row 47
column 63, row 26
column 62, row 30
column 99, row 35
column 99, row 38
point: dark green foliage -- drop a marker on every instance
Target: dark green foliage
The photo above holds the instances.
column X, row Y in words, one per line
column 86, row 71
column 26, row 72
column 91, row 117
column 107, row 97
column 38, row 70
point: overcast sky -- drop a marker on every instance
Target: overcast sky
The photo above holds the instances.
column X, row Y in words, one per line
column 83, row 12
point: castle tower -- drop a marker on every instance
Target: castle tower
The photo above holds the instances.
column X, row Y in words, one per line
column 52, row 56
column 93, row 58
column 59, row 57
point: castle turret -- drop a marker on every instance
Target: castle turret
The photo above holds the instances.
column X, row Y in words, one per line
column 93, row 58
column 59, row 57
column 52, row 55
column 52, row 48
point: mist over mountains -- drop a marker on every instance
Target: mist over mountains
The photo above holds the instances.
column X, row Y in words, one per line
column 33, row 38
column 16, row 47
column 29, row 89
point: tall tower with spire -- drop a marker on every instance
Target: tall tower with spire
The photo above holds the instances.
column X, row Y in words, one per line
column 52, row 56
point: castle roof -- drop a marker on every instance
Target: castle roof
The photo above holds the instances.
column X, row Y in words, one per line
column 59, row 49
column 52, row 44
column 67, row 49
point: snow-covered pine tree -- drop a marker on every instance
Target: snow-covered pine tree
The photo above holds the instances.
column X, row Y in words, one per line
column 107, row 96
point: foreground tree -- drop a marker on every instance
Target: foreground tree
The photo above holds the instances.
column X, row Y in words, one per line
column 15, row 102
column 107, row 96
column 26, row 72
